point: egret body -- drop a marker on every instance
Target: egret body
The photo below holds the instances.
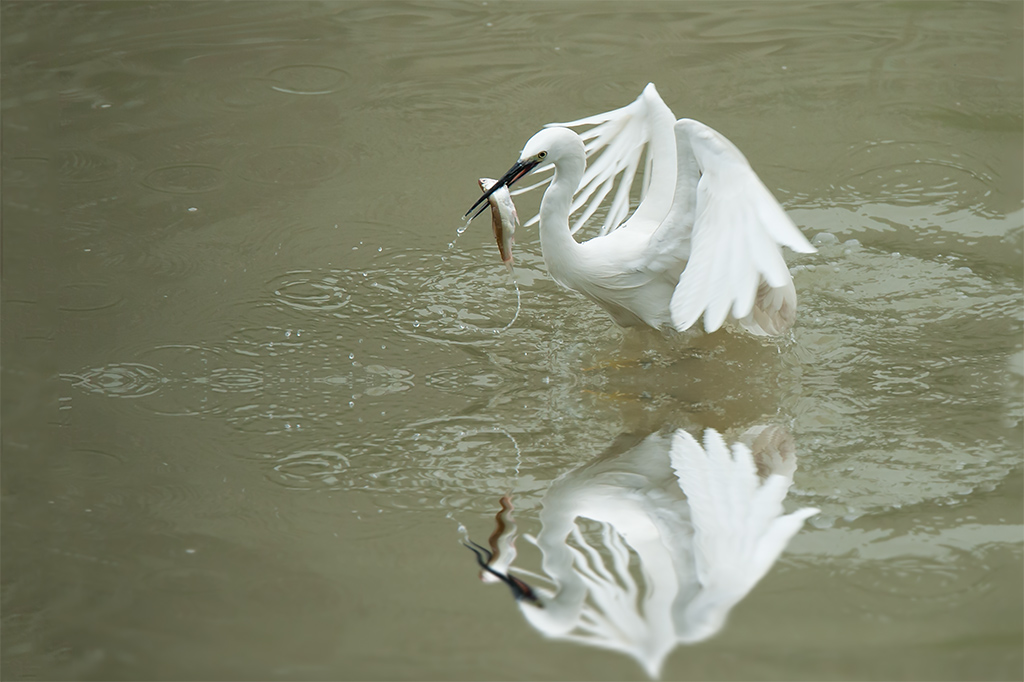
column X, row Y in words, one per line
column 704, row 240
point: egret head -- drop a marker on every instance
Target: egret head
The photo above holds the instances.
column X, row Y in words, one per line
column 553, row 144
column 550, row 144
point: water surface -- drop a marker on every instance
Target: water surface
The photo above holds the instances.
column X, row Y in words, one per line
column 250, row 394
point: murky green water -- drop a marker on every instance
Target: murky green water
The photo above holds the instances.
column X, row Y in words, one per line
column 250, row 394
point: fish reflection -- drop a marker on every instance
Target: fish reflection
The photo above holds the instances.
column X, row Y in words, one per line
column 495, row 562
column 652, row 544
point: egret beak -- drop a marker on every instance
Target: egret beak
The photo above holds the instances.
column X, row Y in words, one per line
column 517, row 171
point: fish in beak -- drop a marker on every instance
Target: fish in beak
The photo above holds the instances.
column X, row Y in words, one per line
column 504, row 219
column 514, row 173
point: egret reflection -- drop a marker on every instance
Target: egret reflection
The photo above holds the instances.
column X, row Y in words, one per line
column 652, row 544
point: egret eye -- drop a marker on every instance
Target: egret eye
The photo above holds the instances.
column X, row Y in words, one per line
column 541, row 155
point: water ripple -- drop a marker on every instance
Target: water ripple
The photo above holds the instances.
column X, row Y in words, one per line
column 296, row 164
column 234, row 380
column 460, row 299
column 202, row 381
column 442, row 464
column 456, row 380
column 312, row 469
column 88, row 297
column 300, row 292
column 904, row 172
column 307, row 79
column 881, row 342
column 88, row 165
column 188, row 178
column 119, row 380
column 231, row 95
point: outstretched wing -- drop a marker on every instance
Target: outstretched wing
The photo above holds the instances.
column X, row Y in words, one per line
column 734, row 228
column 616, row 142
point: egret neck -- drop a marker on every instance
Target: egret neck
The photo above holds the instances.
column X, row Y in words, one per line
column 556, row 241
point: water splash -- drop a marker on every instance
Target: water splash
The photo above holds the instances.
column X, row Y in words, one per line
column 519, row 306
column 463, row 226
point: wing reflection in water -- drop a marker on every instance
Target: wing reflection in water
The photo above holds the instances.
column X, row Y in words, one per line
column 652, row 547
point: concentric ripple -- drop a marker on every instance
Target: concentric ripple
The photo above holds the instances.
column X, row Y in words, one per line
column 312, row 469
column 87, row 165
column 188, row 178
column 307, row 79
column 120, row 380
column 234, row 380
column 301, row 292
column 176, row 380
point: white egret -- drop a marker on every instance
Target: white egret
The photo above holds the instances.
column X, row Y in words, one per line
column 704, row 240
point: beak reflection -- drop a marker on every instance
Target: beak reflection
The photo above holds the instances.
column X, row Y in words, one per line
column 520, row 590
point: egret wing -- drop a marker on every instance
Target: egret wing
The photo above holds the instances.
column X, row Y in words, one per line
column 735, row 264
column 617, row 142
